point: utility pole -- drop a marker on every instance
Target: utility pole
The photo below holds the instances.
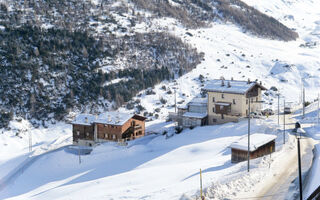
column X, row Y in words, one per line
column 175, row 100
column 318, row 109
column 284, row 122
column 30, row 141
column 79, row 152
column 299, row 164
column 278, row 108
column 202, row 197
column 303, row 102
column 249, row 136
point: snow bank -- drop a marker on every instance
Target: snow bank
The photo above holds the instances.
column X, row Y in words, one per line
column 314, row 181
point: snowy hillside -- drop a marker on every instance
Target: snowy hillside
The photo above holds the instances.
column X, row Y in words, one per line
column 152, row 167
column 158, row 167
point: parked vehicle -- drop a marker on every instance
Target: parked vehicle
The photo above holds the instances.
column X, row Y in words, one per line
column 287, row 110
column 255, row 115
column 267, row 111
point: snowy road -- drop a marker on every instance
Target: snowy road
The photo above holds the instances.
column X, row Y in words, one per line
column 282, row 186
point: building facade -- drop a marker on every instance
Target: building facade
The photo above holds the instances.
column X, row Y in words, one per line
column 113, row 126
column 228, row 100
column 193, row 114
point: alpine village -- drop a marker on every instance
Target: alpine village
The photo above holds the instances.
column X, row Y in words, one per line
column 159, row 99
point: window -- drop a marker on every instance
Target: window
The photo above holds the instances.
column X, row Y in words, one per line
column 222, row 116
column 256, row 99
column 212, row 109
column 214, row 120
column 213, row 99
column 87, row 134
column 246, row 112
column 247, row 101
column 114, row 137
column 105, row 135
column 234, row 101
column 222, row 96
column 78, row 133
column 251, row 100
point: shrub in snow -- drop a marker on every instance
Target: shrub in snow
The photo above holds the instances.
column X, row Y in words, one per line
column 163, row 101
column 157, row 110
column 306, row 103
column 130, row 105
column 156, row 116
column 150, row 92
column 140, row 107
column 169, row 92
column 273, row 88
column 164, row 87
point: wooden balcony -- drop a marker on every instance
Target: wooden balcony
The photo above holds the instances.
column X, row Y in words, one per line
column 222, row 108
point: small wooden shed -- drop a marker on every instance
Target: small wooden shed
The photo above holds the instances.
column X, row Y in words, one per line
column 260, row 145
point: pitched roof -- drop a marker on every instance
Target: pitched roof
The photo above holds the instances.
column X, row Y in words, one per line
column 113, row 118
column 84, row 119
column 256, row 140
column 231, row 86
column 198, row 101
column 195, row 115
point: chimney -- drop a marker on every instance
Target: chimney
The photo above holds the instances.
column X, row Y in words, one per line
column 232, row 78
column 260, row 82
column 221, row 78
column 229, row 85
column 249, row 81
column 222, row 83
column 86, row 119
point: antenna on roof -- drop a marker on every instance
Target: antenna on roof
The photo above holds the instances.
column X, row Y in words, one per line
column 229, row 85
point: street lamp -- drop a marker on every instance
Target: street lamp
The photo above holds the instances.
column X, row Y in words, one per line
column 298, row 136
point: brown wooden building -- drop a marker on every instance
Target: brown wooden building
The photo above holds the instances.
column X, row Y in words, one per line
column 111, row 126
column 260, row 145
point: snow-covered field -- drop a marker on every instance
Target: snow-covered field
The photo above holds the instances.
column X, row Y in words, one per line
column 149, row 168
column 158, row 168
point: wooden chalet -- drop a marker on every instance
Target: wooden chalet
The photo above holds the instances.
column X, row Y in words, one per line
column 260, row 145
column 112, row 126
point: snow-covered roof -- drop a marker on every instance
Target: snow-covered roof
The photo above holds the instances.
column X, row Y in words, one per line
column 230, row 86
column 198, row 101
column 195, row 115
column 256, row 140
column 84, row 119
column 113, row 118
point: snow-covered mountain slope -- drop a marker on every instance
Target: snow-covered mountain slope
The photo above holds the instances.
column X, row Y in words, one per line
column 62, row 56
column 155, row 168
